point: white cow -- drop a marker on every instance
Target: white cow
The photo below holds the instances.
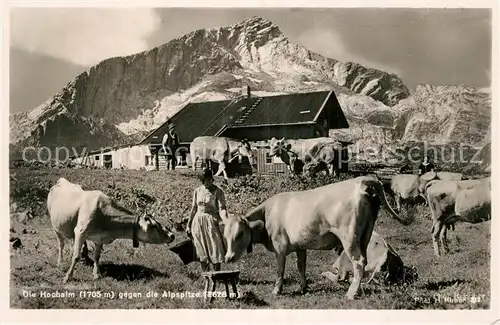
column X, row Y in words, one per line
column 219, row 150
column 340, row 215
column 323, row 156
column 290, row 150
column 381, row 257
column 92, row 215
column 407, row 187
column 453, row 201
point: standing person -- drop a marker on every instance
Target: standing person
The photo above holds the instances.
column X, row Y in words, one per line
column 167, row 150
column 173, row 142
column 205, row 220
column 170, row 145
column 425, row 166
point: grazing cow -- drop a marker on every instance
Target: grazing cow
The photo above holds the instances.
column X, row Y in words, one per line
column 432, row 176
column 340, row 215
column 290, row 150
column 92, row 215
column 219, row 150
column 453, row 201
column 323, row 156
column 381, row 258
column 405, row 187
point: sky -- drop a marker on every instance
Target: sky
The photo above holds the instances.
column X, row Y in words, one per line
column 421, row 46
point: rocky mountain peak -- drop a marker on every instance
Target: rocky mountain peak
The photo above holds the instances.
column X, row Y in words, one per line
column 255, row 24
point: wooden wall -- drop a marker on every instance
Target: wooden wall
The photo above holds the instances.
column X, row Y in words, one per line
column 266, row 165
column 259, row 133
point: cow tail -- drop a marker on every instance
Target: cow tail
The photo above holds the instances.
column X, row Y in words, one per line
column 379, row 190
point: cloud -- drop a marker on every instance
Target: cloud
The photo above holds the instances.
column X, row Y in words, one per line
column 83, row 35
column 328, row 42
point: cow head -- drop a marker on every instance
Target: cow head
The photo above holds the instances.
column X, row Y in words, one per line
column 311, row 168
column 245, row 149
column 276, row 146
column 148, row 230
column 238, row 236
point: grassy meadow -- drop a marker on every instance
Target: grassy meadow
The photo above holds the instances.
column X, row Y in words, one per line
column 460, row 279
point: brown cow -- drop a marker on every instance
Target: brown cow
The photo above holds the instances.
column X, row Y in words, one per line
column 340, row 215
column 219, row 150
column 453, row 201
column 381, row 257
column 323, row 156
column 407, row 187
column 290, row 150
column 92, row 215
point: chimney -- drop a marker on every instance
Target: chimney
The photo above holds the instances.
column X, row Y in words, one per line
column 245, row 91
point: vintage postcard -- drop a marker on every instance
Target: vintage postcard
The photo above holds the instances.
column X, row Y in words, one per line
column 250, row 160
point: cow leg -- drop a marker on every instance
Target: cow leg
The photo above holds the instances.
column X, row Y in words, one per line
column 353, row 251
column 341, row 274
column 436, row 230
column 193, row 160
column 397, row 198
column 301, row 265
column 363, row 246
column 331, row 170
column 444, row 239
column 85, row 254
column 336, row 169
column 97, row 256
column 85, row 251
column 222, row 169
column 61, row 240
column 355, row 245
column 280, row 263
column 425, row 199
column 79, row 240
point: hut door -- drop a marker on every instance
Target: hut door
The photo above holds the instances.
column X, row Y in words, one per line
column 108, row 161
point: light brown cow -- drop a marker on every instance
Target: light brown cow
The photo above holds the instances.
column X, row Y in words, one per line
column 340, row 215
column 290, row 150
column 219, row 150
column 381, row 257
column 453, row 201
column 323, row 156
column 407, row 187
column 92, row 215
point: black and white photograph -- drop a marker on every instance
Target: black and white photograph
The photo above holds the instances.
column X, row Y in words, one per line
column 277, row 158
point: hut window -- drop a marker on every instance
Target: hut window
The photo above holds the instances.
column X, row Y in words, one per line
column 96, row 157
column 269, row 158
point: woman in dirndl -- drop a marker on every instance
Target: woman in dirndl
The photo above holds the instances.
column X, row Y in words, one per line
column 207, row 213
